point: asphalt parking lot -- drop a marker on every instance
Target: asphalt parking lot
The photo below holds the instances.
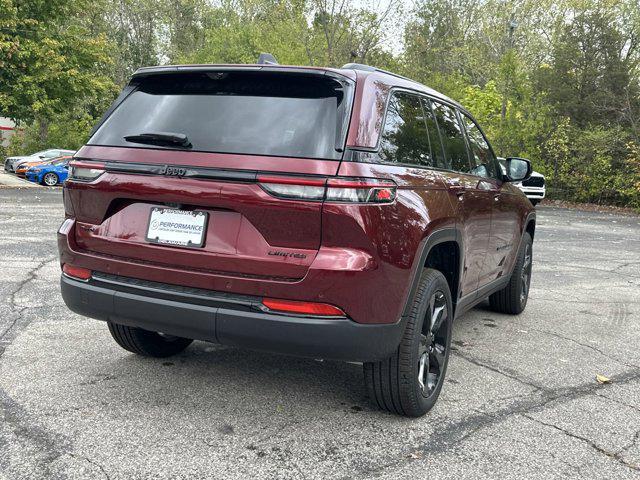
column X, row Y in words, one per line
column 521, row 399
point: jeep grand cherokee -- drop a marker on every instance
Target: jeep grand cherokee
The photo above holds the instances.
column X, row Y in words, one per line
column 345, row 214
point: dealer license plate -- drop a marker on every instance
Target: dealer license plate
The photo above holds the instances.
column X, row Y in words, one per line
column 181, row 228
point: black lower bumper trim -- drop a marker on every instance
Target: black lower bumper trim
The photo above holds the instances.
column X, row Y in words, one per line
column 231, row 323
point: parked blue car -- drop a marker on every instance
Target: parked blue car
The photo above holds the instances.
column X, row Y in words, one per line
column 50, row 174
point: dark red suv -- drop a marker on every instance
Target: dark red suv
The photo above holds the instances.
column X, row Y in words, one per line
column 344, row 214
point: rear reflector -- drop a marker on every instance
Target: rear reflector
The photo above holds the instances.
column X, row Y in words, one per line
column 85, row 171
column 76, row 272
column 304, row 308
column 336, row 189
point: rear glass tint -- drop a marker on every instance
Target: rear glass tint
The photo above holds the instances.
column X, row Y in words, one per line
column 453, row 140
column 404, row 137
column 259, row 113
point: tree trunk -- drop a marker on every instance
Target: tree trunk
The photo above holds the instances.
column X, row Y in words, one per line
column 43, row 130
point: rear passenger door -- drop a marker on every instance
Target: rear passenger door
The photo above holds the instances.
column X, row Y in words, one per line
column 505, row 223
column 471, row 194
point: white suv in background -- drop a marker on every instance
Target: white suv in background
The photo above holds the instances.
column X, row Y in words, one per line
column 533, row 187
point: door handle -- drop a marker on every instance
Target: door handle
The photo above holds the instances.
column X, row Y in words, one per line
column 496, row 197
column 458, row 190
column 455, row 186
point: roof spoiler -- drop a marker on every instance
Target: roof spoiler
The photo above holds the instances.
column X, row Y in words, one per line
column 267, row 59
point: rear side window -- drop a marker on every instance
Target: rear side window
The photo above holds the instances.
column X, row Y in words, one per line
column 434, row 136
column 404, row 137
column 260, row 113
column 453, row 141
column 483, row 162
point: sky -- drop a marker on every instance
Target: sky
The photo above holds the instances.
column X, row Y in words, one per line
column 394, row 38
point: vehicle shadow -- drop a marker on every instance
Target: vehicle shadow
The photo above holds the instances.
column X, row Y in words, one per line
column 236, row 378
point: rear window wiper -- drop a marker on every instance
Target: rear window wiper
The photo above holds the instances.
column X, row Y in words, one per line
column 160, row 138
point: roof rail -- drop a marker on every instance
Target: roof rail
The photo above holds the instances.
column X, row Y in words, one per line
column 369, row 68
column 267, row 59
column 359, row 66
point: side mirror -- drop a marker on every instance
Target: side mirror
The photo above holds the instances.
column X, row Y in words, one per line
column 517, row 169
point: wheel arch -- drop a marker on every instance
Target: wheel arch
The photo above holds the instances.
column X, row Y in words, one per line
column 441, row 250
column 530, row 226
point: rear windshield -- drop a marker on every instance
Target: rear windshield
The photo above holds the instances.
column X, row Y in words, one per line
column 259, row 113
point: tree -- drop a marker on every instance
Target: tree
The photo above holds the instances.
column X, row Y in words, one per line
column 591, row 76
column 49, row 64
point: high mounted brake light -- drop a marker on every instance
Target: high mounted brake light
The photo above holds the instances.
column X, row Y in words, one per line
column 337, row 189
column 85, row 171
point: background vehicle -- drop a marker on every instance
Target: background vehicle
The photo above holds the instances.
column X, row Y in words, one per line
column 533, row 187
column 12, row 163
column 50, row 173
column 346, row 214
column 23, row 167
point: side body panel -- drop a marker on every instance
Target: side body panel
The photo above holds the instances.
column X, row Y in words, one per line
column 393, row 235
column 474, row 204
column 510, row 214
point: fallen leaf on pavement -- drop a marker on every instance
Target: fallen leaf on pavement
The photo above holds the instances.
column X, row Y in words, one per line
column 602, row 379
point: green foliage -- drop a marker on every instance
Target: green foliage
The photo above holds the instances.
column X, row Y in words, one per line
column 51, row 76
column 555, row 81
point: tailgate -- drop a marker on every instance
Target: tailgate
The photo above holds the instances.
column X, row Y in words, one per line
column 196, row 140
column 248, row 233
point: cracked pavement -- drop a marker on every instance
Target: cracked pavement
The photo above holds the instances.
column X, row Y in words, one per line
column 520, row 401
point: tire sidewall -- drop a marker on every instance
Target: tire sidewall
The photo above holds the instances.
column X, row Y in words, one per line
column 526, row 240
column 431, row 281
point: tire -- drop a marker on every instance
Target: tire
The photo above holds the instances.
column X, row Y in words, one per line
column 513, row 298
column 394, row 383
column 146, row 343
column 50, row 179
column 534, row 202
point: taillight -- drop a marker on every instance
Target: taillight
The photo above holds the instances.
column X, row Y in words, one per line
column 339, row 189
column 85, row 171
column 78, row 273
column 302, row 188
column 360, row 190
column 302, row 308
column 65, row 228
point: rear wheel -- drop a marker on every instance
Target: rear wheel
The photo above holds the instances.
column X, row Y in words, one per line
column 50, row 179
column 409, row 382
column 513, row 298
column 147, row 343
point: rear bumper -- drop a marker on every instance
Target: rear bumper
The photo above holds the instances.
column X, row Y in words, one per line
column 226, row 319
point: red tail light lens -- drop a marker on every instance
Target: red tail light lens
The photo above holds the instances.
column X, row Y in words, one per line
column 85, row 171
column 303, row 308
column 360, row 190
column 76, row 272
column 341, row 189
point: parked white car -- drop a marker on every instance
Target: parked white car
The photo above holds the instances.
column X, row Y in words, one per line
column 12, row 163
column 533, row 187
